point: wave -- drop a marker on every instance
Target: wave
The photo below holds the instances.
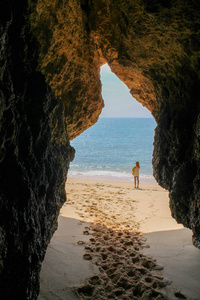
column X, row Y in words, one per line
column 110, row 175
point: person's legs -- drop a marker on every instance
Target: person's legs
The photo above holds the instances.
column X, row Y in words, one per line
column 138, row 181
column 135, row 181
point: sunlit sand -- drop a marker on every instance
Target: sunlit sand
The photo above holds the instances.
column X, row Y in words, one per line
column 117, row 242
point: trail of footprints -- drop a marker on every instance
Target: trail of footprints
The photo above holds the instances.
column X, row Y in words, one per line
column 125, row 273
column 115, row 247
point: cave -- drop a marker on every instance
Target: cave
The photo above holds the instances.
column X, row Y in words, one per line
column 50, row 54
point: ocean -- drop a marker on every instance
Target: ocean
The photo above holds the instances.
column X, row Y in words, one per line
column 109, row 149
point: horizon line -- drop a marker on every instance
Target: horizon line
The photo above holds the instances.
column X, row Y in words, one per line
column 126, row 117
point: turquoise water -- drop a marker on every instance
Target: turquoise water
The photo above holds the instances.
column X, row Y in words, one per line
column 110, row 148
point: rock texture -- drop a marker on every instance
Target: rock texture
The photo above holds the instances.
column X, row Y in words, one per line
column 33, row 163
column 69, row 60
column 50, row 55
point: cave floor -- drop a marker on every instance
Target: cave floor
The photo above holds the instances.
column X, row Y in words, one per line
column 64, row 267
column 90, row 222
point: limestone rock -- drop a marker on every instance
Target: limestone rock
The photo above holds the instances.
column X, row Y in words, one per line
column 33, row 162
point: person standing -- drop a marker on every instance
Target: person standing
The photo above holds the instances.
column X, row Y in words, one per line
column 135, row 172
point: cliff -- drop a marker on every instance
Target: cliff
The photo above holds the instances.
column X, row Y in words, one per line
column 50, row 56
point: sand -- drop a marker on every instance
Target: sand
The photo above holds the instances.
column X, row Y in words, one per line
column 117, row 242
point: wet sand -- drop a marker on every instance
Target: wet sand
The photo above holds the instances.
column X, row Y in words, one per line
column 117, row 242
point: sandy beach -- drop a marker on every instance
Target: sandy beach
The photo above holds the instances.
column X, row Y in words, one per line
column 117, row 242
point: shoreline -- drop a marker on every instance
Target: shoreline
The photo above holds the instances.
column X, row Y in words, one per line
column 147, row 179
column 111, row 221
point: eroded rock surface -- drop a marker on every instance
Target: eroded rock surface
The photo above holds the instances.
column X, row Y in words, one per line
column 50, row 54
column 33, row 162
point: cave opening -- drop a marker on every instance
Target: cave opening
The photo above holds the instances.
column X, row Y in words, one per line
column 123, row 135
column 105, row 155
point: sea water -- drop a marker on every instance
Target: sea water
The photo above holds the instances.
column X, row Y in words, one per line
column 109, row 149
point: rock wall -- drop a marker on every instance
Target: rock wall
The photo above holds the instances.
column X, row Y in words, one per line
column 33, row 163
column 69, row 60
column 50, row 55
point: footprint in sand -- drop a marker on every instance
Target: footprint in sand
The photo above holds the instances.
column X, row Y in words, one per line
column 86, row 232
column 81, row 242
column 87, row 257
column 179, row 295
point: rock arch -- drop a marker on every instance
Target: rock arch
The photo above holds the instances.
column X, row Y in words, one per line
column 51, row 53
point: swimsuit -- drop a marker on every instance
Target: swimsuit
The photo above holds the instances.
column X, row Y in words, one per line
column 136, row 173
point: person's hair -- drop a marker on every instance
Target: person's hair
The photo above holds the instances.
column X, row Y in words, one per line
column 137, row 164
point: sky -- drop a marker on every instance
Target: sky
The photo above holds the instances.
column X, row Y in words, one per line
column 118, row 101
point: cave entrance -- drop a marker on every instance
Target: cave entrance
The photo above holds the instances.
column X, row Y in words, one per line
column 123, row 135
column 112, row 211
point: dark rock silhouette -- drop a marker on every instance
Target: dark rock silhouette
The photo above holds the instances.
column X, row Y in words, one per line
column 33, row 163
column 50, row 92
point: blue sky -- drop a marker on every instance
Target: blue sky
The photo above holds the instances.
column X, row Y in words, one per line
column 118, row 101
